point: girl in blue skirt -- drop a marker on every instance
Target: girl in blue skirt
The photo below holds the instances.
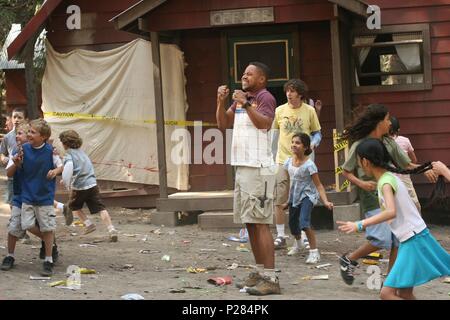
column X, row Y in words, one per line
column 420, row 257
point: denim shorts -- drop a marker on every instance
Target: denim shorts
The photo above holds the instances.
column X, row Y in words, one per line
column 300, row 217
column 380, row 235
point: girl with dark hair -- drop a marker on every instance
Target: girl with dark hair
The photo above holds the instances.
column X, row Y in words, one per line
column 420, row 257
column 304, row 193
column 374, row 122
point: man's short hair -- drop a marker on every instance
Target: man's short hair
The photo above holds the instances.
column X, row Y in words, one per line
column 297, row 85
column 262, row 67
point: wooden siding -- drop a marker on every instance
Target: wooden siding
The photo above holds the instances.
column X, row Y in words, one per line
column 424, row 115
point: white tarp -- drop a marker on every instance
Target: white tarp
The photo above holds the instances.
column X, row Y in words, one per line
column 108, row 98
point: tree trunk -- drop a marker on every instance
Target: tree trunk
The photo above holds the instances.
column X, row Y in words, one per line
column 28, row 56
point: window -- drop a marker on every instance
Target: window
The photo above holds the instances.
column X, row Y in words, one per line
column 274, row 53
column 395, row 58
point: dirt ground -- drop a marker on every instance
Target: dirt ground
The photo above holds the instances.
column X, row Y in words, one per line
column 122, row 269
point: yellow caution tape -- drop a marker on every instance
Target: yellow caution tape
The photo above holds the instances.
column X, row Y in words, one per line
column 89, row 116
column 341, row 145
column 338, row 170
column 344, row 185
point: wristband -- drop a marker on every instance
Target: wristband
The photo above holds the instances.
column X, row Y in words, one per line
column 359, row 226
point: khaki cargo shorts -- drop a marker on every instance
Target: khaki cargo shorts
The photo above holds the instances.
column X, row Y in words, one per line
column 281, row 186
column 15, row 223
column 44, row 215
column 250, row 206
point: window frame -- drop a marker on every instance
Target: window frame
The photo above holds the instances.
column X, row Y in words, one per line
column 424, row 28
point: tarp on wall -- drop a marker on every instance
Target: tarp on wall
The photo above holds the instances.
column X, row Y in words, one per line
column 108, row 98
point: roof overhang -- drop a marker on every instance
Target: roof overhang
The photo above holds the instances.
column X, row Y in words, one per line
column 357, row 7
column 128, row 20
column 32, row 27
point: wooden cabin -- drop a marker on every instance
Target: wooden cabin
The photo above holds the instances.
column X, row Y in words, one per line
column 327, row 43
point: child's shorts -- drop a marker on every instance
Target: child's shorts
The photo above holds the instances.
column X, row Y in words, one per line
column 380, row 235
column 15, row 223
column 44, row 215
column 90, row 196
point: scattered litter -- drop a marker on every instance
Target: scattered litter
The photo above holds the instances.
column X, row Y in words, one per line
column 242, row 248
column 321, row 277
column 2, row 247
column 130, row 235
column 243, row 290
column 145, row 238
column 320, row 266
column 132, row 296
column 235, row 239
column 87, row 271
column 171, row 233
column 177, row 291
column 243, row 235
column 128, row 266
column 226, row 245
column 208, row 250
column 165, row 258
column 34, row 247
column 186, row 241
column 447, row 280
column 156, row 231
column 78, row 224
column 328, row 253
column 196, row 270
column 147, row 251
column 370, row 261
column 73, row 234
column 87, row 245
column 337, row 240
column 233, row 266
column 220, row 281
column 374, row 255
column 66, row 284
column 40, row 278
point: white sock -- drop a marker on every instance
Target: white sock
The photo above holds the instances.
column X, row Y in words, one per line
column 10, row 255
column 280, row 230
column 304, row 237
column 87, row 222
column 298, row 243
column 313, row 251
column 260, row 268
column 270, row 273
column 111, row 228
column 59, row 205
column 49, row 259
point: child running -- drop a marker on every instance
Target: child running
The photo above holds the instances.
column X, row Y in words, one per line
column 38, row 169
column 304, row 193
column 420, row 257
column 78, row 175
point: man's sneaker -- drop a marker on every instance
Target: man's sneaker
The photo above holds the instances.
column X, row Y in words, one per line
column 55, row 253
column 113, row 237
column 280, row 243
column 47, row 269
column 314, row 257
column 293, row 251
column 251, row 281
column 68, row 215
column 347, row 269
column 7, row 263
column 305, row 242
column 89, row 229
column 264, row 287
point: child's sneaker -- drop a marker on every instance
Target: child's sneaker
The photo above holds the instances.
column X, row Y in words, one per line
column 293, row 251
column 113, row 236
column 264, row 287
column 47, row 270
column 55, row 253
column 314, row 256
column 89, row 229
column 305, row 242
column 251, row 281
column 68, row 215
column 7, row 263
column 347, row 267
column 280, row 243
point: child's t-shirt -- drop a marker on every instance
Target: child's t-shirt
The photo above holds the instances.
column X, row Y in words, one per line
column 83, row 171
column 301, row 182
column 408, row 220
